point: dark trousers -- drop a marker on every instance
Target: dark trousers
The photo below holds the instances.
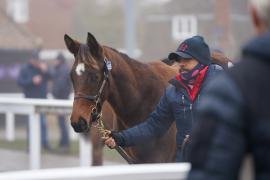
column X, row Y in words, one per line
column 64, row 139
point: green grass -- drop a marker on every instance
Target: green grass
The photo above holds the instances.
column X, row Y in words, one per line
column 21, row 145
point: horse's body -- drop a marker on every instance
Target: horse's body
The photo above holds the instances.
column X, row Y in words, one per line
column 133, row 91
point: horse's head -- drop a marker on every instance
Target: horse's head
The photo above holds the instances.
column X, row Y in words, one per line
column 89, row 75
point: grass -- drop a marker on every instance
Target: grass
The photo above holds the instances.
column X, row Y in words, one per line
column 21, row 145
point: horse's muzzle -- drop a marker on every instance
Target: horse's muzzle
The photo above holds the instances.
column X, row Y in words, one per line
column 80, row 126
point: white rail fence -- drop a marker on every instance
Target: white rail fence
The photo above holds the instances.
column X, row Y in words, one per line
column 166, row 171
column 32, row 108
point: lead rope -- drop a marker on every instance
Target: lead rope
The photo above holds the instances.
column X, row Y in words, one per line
column 120, row 150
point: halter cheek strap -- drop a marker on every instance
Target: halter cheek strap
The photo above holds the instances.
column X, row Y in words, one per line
column 95, row 114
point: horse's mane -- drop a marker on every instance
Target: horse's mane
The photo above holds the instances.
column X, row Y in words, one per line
column 124, row 56
column 133, row 63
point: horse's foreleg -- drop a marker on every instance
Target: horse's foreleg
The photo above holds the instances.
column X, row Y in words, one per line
column 97, row 146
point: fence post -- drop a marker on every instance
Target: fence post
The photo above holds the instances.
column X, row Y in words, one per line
column 34, row 140
column 85, row 151
column 10, row 126
column 73, row 136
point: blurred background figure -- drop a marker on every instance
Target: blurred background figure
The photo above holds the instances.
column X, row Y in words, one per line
column 234, row 116
column 61, row 89
column 33, row 79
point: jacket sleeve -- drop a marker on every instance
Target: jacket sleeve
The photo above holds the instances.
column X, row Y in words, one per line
column 154, row 126
column 219, row 141
column 24, row 78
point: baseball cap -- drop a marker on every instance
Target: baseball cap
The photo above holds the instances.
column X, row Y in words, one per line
column 194, row 47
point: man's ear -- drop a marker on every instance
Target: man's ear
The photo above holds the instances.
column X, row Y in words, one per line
column 72, row 45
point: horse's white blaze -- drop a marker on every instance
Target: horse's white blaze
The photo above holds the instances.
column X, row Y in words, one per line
column 230, row 64
column 80, row 69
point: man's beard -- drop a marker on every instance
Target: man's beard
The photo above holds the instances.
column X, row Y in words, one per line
column 191, row 74
column 183, row 70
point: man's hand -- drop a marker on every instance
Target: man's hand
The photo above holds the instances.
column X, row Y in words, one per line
column 37, row 79
column 43, row 67
column 113, row 138
column 108, row 140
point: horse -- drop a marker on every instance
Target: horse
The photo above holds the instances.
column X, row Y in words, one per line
column 133, row 89
column 132, row 92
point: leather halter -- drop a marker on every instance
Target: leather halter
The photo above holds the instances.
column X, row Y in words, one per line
column 96, row 110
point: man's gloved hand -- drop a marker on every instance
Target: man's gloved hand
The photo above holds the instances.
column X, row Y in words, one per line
column 113, row 138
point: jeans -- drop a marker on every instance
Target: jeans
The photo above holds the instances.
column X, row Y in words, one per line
column 64, row 141
column 182, row 151
column 179, row 157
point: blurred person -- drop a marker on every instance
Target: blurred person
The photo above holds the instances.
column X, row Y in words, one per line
column 33, row 79
column 234, row 114
column 61, row 89
column 178, row 100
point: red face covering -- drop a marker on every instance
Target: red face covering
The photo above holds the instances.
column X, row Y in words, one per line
column 190, row 77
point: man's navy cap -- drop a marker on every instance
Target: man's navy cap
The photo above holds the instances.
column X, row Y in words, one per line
column 194, row 47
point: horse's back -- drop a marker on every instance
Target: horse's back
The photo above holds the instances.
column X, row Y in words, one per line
column 163, row 71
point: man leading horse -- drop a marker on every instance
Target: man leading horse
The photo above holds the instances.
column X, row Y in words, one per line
column 178, row 101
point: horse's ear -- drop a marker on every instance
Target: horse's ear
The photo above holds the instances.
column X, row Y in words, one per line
column 73, row 46
column 93, row 45
column 220, row 58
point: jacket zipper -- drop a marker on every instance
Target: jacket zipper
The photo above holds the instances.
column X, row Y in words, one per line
column 190, row 107
column 183, row 101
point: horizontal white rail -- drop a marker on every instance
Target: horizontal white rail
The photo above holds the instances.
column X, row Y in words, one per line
column 32, row 107
column 36, row 102
column 166, row 171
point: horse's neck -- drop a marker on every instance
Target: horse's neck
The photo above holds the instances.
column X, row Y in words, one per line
column 126, row 91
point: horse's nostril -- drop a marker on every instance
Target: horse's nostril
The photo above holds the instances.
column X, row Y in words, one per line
column 80, row 126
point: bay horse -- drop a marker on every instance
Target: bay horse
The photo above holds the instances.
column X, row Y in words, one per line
column 132, row 92
column 133, row 89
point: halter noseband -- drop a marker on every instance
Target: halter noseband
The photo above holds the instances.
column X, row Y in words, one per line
column 96, row 110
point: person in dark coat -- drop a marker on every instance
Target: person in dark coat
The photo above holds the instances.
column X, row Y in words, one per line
column 61, row 88
column 234, row 114
column 33, row 79
column 178, row 101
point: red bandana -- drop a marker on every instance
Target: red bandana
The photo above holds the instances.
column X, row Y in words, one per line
column 197, row 84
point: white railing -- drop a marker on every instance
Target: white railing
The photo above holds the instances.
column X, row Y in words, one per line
column 32, row 107
column 166, row 171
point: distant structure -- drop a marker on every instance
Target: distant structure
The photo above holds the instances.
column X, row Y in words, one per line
column 16, row 45
column 221, row 22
